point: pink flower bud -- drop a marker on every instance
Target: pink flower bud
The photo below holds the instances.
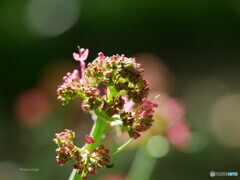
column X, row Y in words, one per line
column 101, row 55
column 89, row 139
column 81, row 55
column 91, row 170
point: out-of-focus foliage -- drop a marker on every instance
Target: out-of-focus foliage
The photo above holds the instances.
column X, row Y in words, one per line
column 197, row 40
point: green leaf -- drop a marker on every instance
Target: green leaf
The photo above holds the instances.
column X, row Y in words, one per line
column 122, row 147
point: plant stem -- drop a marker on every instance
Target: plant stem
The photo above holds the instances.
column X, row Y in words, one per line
column 96, row 132
column 123, row 146
column 74, row 175
column 142, row 166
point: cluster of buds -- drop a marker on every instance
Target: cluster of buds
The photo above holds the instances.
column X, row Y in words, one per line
column 66, row 149
column 113, row 86
column 71, row 87
column 121, row 75
column 86, row 162
column 105, row 84
column 138, row 119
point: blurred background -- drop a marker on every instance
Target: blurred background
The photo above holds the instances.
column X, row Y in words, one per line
column 190, row 50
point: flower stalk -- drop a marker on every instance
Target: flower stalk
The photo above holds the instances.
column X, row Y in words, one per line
column 97, row 132
column 143, row 165
column 114, row 90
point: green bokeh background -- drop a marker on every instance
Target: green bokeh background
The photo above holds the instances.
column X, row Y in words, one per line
column 196, row 39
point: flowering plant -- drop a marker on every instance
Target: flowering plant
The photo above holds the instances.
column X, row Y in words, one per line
column 114, row 91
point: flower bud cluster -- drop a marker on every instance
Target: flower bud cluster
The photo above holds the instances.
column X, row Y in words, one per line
column 86, row 162
column 66, row 149
column 119, row 73
column 112, row 107
column 71, row 88
column 138, row 119
column 93, row 100
column 119, row 77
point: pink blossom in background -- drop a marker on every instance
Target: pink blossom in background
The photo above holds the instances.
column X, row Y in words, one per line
column 178, row 135
column 173, row 110
column 31, row 107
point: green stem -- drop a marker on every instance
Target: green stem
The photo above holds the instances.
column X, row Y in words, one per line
column 142, row 166
column 122, row 147
column 74, row 175
column 96, row 132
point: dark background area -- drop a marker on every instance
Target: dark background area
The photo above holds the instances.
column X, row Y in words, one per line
column 197, row 40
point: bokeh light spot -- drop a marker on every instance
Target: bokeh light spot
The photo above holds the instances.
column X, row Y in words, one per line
column 225, row 120
column 50, row 18
column 197, row 144
column 10, row 170
column 157, row 146
column 179, row 135
column 31, row 107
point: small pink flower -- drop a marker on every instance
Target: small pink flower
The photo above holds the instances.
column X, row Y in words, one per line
column 81, row 56
column 91, row 170
column 128, row 106
column 145, row 108
column 101, row 55
column 89, row 139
